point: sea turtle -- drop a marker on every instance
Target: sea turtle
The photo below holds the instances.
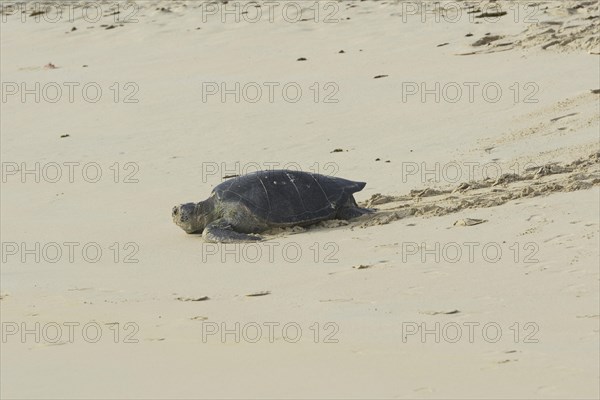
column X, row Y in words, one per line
column 239, row 208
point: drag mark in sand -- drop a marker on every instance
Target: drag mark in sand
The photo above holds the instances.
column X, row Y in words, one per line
column 550, row 178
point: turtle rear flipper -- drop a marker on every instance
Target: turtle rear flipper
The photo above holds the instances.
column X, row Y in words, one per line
column 348, row 213
column 221, row 231
column 351, row 210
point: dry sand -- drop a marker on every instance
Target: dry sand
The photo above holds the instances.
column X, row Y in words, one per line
column 477, row 278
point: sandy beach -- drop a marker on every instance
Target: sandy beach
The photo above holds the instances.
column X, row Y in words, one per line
column 475, row 125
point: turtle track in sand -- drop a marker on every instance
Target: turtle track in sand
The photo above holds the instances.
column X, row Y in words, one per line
column 540, row 181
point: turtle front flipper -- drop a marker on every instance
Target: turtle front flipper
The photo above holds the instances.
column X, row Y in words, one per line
column 221, row 231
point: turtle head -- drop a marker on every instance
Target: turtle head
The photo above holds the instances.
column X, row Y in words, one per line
column 190, row 217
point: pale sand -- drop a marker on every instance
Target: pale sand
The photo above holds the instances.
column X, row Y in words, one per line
column 544, row 220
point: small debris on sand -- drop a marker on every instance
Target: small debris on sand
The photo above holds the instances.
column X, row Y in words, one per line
column 258, row 294
column 203, row 298
column 447, row 312
column 491, row 14
column 486, row 40
column 469, row 222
